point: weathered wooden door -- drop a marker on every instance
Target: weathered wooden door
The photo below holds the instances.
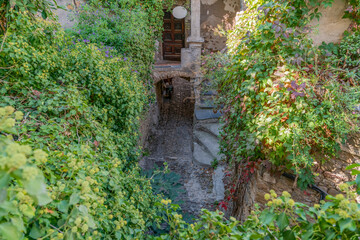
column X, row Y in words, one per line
column 173, row 37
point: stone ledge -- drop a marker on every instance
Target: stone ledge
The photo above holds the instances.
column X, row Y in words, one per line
column 164, row 73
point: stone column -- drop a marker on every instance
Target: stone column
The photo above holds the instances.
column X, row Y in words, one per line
column 191, row 57
column 195, row 22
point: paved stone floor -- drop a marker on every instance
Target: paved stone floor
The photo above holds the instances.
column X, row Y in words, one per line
column 171, row 142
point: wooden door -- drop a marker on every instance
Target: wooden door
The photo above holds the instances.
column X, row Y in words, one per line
column 173, row 37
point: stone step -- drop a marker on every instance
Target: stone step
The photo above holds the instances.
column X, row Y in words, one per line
column 207, row 98
column 209, row 93
column 209, row 142
column 206, row 104
column 218, row 183
column 202, row 114
column 201, row 156
column 212, row 128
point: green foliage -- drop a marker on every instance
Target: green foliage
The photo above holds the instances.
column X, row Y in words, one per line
column 152, row 8
column 214, row 163
column 353, row 12
column 344, row 57
column 130, row 27
column 125, row 30
column 83, row 109
column 165, row 183
column 18, row 164
column 283, row 218
column 80, row 102
column 282, row 101
column 8, row 9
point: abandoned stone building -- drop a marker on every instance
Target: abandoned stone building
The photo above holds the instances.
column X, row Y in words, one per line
column 187, row 125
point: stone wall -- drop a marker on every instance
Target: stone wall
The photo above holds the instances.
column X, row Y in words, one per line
column 330, row 175
column 148, row 123
column 66, row 17
column 216, row 13
column 331, row 26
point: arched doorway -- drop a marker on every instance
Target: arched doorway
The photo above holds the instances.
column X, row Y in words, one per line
column 175, row 100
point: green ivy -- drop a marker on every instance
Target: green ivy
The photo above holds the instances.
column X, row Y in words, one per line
column 9, row 8
column 283, row 101
column 18, row 165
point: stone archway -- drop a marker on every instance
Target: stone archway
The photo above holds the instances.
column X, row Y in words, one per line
column 180, row 103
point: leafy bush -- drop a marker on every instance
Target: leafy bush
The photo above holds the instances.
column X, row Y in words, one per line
column 125, row 30
column 282, row 102
column 18, row 165
column 8, row 9
column 344, row 56
column 130, row 27
column 82, row 108
column 283, row 218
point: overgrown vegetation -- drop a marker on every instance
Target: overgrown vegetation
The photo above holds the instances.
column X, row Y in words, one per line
column 284, row 98
column 283, row 218
column 130, row 27
column 82, row 108
column 70, row 107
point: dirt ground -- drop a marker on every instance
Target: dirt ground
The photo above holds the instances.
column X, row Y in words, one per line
column 172, row 141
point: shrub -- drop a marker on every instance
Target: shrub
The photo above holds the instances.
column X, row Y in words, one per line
column 82, row 108
column 130, row 27
column 281, row 102
column 283, row 218
column 125, row 30
column 8, row 8
column 22, row 184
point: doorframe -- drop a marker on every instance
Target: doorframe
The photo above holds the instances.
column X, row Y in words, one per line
column 159, row 56
column 172, row 31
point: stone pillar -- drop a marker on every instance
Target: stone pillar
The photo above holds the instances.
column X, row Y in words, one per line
column 195, row 22
column 191, row 57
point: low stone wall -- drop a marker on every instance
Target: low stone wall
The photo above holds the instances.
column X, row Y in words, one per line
column 148, row 123
column 330, row 175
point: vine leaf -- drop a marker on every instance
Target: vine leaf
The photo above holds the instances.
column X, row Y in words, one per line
column 282, row 221
column 9, row 232
column 36, row 188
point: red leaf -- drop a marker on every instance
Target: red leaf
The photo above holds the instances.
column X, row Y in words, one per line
column 223, row 205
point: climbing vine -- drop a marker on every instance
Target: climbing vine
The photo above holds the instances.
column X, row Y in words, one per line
column 8, row 9
column 284, row 99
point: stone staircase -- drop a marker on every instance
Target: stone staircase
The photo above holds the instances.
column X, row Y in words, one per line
column 206, row 136
column 206, row 143
column 206, row 131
